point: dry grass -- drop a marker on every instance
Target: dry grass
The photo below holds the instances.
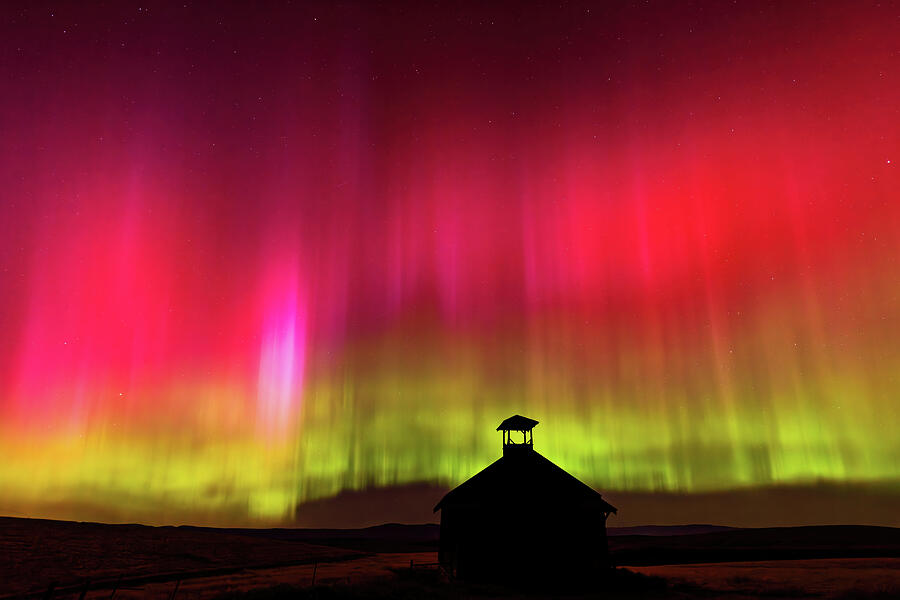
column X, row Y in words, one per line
column 207, row 564
column 413, row 585
column 837, row 579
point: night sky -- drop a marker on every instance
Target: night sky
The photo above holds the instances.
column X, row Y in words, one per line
column 254, row 257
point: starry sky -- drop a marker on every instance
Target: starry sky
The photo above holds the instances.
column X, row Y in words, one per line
column 258, row 256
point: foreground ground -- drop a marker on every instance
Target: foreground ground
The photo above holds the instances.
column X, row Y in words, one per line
column 388, row 576
column 93, row 561
column 843, row 578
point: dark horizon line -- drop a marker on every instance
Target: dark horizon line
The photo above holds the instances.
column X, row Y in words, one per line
column 432, row 524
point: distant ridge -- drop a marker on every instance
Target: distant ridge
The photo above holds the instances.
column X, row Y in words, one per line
column 661, row 530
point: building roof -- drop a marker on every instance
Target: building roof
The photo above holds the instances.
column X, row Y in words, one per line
column 517, row 423
column 547, row 484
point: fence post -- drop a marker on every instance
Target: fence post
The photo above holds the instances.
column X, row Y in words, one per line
column 84, row 589
column 49, row 593
column 315, row 568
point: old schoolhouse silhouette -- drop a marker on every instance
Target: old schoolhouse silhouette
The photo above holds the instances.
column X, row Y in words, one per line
column 522, row 518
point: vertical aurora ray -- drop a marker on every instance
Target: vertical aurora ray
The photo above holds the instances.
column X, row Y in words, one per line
column 333, row 256
column 282, row 353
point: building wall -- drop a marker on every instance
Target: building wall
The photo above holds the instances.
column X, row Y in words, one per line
column 530, row 542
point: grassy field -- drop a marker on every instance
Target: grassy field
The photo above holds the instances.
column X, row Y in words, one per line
column 388, row 576
column 37, row 553
column 116, row 562
column 837, row 578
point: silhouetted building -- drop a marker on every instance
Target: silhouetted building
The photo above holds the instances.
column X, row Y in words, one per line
column 523, row 518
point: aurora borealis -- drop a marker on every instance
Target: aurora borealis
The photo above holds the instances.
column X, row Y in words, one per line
column 255, row 257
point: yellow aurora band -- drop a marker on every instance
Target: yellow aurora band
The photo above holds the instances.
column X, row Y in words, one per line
column 403, row 415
